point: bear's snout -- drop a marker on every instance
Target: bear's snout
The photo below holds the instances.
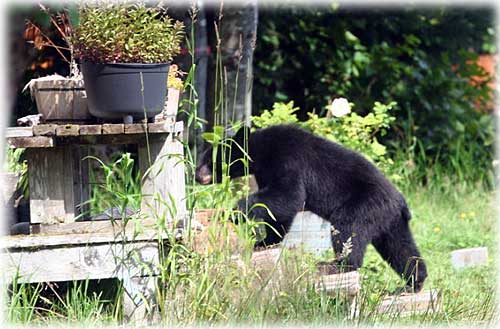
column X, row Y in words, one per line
column 203, row 175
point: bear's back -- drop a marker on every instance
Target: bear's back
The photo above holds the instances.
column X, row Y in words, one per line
column 328, row 169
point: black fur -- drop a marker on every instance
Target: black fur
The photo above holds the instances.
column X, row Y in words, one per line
column 296, row 170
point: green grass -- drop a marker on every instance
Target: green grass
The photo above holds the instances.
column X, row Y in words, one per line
column 210, row 287
column 446, row 219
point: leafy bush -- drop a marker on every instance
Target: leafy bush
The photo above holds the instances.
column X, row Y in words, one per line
column 126, row 33
column 425, row 60
column 352, row 130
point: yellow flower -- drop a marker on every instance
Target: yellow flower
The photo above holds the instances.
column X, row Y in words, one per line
column 472, row 214
column 437, row 229
column 463, row 215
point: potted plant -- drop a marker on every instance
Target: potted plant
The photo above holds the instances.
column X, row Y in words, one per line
column 57, row 98
column 125, row 52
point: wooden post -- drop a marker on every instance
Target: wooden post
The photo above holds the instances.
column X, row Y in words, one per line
column 55, row 176
column 161, row 162
column 139, row 300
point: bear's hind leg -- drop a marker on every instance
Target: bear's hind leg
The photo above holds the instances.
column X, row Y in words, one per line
column 398, row 248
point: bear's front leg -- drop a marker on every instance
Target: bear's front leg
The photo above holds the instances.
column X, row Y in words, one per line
column 275, row 207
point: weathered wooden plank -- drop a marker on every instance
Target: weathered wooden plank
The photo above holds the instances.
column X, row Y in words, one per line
column 57, row 179
column 19, row 132
column 348, row 283
column 9, row 182
column 67, row 130
column 409, row 304
column 172, row 107
column 116, row 139
column 80, row 262
column 169, row 112
column 113, row 128
column 131, row 233
column 267, row 258
column 135, row 128
column 90, row 130
column 163, row 185
column 165, row 127
column 81, row 172
column 45, row 130
column 51, row 175
column 31, row 142
column 101, row 226
column 139, row 300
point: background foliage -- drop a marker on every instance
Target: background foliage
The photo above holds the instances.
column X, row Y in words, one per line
column 354, row 131
column 423, row 59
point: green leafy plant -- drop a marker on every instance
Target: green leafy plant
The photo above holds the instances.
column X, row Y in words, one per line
column 424, row 59
column 280, row 114
column 120, row 186
column 352, row 130
column 15, row 164
column 126, row 33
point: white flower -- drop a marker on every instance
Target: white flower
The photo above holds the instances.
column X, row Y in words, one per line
column 340, row 107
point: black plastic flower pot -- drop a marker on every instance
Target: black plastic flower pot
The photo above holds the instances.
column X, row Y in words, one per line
column 117, row 91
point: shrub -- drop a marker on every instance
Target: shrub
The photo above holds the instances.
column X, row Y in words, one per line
column 126, row 33
column 354, row 131
column 422, row 59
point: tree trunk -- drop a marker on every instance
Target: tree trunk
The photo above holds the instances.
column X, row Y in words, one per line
column 230, row 81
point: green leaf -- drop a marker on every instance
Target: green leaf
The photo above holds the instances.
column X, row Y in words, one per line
column 211, row 137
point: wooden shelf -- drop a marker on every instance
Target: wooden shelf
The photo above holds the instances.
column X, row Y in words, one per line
column 50, row 135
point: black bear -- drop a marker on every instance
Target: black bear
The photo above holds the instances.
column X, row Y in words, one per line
column 296, row 170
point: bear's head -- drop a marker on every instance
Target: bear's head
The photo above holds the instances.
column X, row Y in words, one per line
column 230, row 151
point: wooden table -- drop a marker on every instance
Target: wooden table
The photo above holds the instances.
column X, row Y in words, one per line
column 62, row 249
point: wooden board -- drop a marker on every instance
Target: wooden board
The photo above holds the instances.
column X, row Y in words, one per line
column 135, row 128
column 48, row 135
column 80, row 262
column 60, row 240
column 163, row 184
column 99, row 226
column 139, row 302
column 19, row 132
column 409, row 304
column 67, row 130
column 113, row 129
column 31, row 142
column 54, row 182
column 90, row 130
column 162, row 127
column 45, row 130
column 348, row 282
